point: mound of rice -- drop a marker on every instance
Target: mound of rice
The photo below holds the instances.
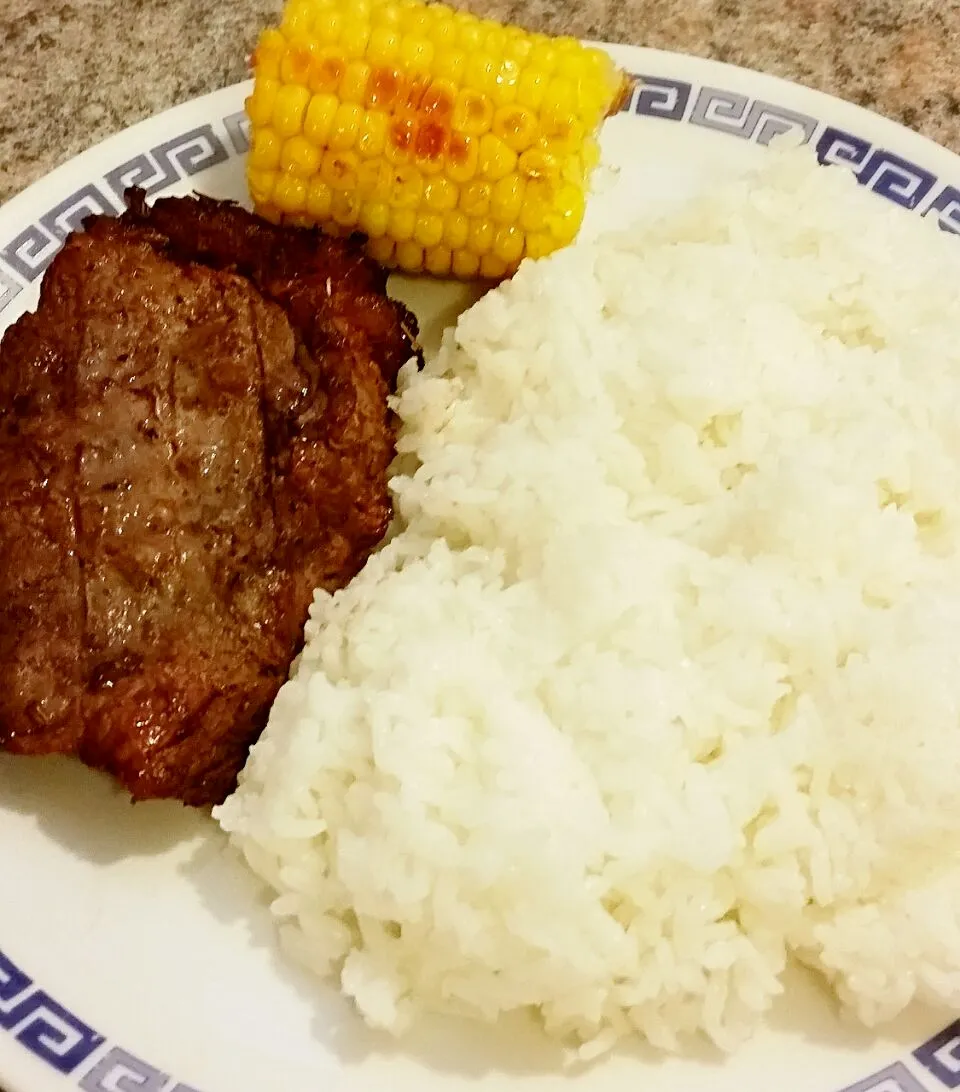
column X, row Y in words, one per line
column 657, row 685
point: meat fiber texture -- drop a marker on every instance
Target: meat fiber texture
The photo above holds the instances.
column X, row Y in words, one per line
column 657, row 689
column 194, row 435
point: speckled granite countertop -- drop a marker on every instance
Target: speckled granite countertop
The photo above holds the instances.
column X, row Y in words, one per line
column 75, row 71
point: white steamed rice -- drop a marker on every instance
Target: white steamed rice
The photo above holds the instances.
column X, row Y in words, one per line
column 658, row 684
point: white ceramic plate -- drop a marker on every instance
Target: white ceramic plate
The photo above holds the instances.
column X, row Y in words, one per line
column 135, row 954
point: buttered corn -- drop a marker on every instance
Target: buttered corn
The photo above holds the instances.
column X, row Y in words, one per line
column 458, row 146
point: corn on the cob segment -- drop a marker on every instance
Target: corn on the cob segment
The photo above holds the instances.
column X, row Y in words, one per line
column 457, row 145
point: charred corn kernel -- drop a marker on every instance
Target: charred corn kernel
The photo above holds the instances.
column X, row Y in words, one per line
column 516, row 126
column 340, row 170
column 290, row 193
column 440, row 195
column 270, row 53
column 265, row 149
column 271, row 213
column 438, row 260
column 300, row 156
column 463, row 157
column 455, row 144
column 428, row 230
column 409, row 256
column 472, row 113
column 319, row 199
column 456, row 229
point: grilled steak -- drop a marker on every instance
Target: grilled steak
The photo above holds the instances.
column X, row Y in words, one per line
column 194, row 435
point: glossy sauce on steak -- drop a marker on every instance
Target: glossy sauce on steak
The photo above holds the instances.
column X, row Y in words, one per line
column 194, row 434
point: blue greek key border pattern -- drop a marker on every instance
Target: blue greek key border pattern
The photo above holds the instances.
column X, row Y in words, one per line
column 31, row 1016
column 62, row 1040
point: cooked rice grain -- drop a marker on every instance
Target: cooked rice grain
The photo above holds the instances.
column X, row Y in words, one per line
column 658, row 687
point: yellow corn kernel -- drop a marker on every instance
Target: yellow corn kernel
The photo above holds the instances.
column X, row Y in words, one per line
column 537, row 200
column 339, row 169
column 374, row 218
column 328, row 25
column 428, row 230
column 416, row 53
column 508, row 244
column 269, row 54
column 465, row 265
column 345, row 207
column 475, row 198
column 297, row 18
column 472, row 112
column 440, row 194
column 456, row 230
column 260, row 104
column 463, row 157
column 406, row 189
column 437, row 260
column 480, row 236
column 318, row 120
column 353, row 85
column 265, row 148
column 384, row 46
column 409, row 256
column 540, row 165
column 300, row 156
column 346, row 126
column 539, row 244
column 492, row 268
column 261, row 184
column 402, row 223
column 289, row 108
column 382, row 249
column 319, row 198
column 496, row 159
column 451, row 65
column 290, row 193
column 354, row 36
column 505, row 85
column 506, row 199
column 517, row 126
column 481, row 74
column 566, row 213
column 531, row 87
column 375, row 180
column 455, row 144
column 372, row 135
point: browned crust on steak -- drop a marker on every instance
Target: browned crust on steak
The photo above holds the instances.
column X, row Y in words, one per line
column 194, row 435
